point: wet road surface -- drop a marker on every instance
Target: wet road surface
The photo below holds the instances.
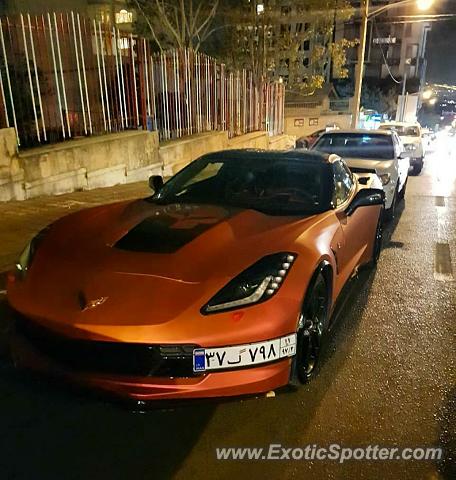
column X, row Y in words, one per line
column 388, row 375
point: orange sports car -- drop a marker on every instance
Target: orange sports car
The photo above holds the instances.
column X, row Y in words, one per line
column 221, row 283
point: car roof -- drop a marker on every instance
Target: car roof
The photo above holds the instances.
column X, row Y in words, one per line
column 358, row 131
column 401, row 124
column 295, row 154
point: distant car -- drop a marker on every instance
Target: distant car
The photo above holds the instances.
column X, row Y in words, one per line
column 372, row 151
column 308, row 140
column 221, row 283
column 411, row 136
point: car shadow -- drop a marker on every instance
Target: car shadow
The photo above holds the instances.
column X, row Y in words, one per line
column 390, row 227
column 53, row 432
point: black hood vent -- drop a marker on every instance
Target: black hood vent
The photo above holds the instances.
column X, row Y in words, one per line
column 167, row 233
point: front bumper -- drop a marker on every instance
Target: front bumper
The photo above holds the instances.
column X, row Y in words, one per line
column 176, row 383
column 389, row 190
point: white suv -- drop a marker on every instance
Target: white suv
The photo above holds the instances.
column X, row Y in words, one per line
column 372, row 151
column 411, row 136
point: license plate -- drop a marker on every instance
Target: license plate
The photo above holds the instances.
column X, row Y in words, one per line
column 206, row 359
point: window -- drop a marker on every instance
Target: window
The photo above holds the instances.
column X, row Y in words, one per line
column 343, row 183
column 270, row 184
column 306, row 45
column 124, row 17
column 357, row 145
column 305, row 62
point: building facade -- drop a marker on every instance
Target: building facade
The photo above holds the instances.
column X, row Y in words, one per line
column 108, row 11
column 396, row 43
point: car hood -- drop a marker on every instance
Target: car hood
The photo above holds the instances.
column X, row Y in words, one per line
column 140, row 264
column 182, row 242
column 369, row 165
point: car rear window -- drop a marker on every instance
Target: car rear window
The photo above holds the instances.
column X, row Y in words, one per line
column 358, row 145
column 402, row 130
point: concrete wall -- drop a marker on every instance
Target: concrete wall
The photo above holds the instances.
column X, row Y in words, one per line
column 303, row 124
column 176, row 154
column 109, row 160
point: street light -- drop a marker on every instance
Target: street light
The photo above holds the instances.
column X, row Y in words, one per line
column 427, row 94
column 365, row 16
column 424, row 4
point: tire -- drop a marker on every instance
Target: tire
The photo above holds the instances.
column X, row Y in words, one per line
column 416, row 169
column 391, row 212
column 378, row 240
column 312, row 322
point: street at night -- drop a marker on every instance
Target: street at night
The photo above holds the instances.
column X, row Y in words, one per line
column 227, row 239
column 387, row 377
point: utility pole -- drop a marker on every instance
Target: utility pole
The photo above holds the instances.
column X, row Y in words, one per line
column 404, row 89
column 359, row 70
column 365, row 16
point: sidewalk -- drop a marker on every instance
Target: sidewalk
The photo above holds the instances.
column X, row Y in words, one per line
column 20, row 220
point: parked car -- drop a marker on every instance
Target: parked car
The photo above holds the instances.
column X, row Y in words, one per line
column 308, row 140
column 411, row 136
column 372, row 151
column 221, row 283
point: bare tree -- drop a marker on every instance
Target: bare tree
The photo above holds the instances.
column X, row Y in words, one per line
column 176, row 23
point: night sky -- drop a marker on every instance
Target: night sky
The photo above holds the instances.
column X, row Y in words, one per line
column 441, row 51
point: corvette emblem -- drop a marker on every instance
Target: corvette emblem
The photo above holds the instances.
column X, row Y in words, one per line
column 86, row 304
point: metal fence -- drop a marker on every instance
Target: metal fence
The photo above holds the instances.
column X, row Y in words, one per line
column 65, row 76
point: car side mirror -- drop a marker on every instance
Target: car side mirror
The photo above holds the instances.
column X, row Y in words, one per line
column 365, row 198
column 156, row 183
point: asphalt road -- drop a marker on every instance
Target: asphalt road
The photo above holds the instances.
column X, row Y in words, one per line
column 388, row 376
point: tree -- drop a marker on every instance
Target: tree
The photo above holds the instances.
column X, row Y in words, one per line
column 288, row 40
column 175, row 23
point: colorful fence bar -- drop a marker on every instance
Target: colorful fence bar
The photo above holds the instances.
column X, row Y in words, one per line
column 64, row 76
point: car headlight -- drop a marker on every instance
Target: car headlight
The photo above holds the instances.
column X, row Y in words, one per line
column 257, row 284
column 26, row 257
column 385, row 178
column 410, row 147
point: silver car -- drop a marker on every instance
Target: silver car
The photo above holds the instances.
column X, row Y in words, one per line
column 372, row 151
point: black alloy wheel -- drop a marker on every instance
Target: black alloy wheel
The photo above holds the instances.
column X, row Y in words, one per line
column 378, row 240
column 312, row 322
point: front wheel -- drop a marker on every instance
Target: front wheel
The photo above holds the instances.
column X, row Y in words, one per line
column 312, row 322
column 378, row 240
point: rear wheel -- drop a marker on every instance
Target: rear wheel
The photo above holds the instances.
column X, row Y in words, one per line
column 416, row 169
column 312, row 322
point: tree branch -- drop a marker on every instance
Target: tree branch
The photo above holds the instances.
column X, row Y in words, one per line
column 149, row 24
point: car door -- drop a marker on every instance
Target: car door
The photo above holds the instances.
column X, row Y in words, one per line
column 358, row 228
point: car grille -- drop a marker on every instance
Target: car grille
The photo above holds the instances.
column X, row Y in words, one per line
column 362, row 170
column 135, row 359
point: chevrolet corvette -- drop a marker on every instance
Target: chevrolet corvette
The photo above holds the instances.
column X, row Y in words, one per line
column 221, row 283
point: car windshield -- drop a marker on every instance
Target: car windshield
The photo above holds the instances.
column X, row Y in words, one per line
column 359, row 145
column 402, row 130
column 275, row 186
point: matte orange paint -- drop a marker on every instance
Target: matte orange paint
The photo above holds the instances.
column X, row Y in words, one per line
column 156, row 298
